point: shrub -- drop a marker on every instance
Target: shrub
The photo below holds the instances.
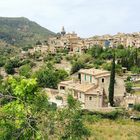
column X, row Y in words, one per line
column 135, row 70
column 85, row 58
column 92, row 118
column 98, row 62
column 16, row 62
column 69, row 58
column 52, row 106
column 1, row 77
column 25, row 61
column 108, row 115
column 76, row 66
column 111, row 115
column 49, row 57
column 137, row 107
column 118, row 69
column 128, row 78
column 128, row 86
column 106, row 66
column 58, row 98
column 25, row 48
column 61, row 74
column 9, row 68
column 25, row 70
column 50, row 77
column 2, row 61
column 58, row 58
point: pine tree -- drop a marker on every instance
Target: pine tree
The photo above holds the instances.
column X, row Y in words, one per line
column 112, row 82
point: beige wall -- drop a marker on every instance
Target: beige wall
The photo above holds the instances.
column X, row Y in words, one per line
column 95, row 102
column 104, row 84
column 62, row 91
column 119, row 88
column 130, row 100
column 81, row 97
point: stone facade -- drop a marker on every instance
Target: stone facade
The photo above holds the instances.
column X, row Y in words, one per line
column 92, row 88
column 130, row 100
column 69, row 41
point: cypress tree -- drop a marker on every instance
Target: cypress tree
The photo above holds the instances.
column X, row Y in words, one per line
column 112, row 82
column 136, row 56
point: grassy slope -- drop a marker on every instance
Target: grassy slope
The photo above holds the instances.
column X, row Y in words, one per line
column 115, row 130
column 21, row 31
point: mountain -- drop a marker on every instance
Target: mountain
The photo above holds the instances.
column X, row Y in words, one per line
column 22, row 32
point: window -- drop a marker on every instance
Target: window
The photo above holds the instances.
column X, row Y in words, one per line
column 62, row 87
column 103, row 80
column 90, row 98
column 130, row 105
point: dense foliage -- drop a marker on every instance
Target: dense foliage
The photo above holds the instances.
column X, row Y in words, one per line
column 125, row 57
column 137, row 107
column 50, row 77
column 128, row 86
column 29, row 115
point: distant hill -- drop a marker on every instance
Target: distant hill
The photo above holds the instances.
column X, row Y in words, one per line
column 22, row 32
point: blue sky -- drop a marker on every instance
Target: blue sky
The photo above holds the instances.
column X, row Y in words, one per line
column 85, row 17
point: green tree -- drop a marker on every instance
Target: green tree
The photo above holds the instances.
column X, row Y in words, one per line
column 112, row 82
column 2, row 61
column 19, row 117
column 95, row 51
column 128, row 86
column 74, row 128
column 135, row 70
column 50, row 77
column 25, row 70
column 76, row 66
column 9, row 68
column 137, row 107
column 29, row 115
column 61, row 74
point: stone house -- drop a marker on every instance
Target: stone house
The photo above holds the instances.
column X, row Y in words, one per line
column 130, row 100
column 92, row 88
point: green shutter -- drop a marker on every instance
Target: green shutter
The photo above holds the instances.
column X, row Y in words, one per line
column 90, row 78
column 85, row 77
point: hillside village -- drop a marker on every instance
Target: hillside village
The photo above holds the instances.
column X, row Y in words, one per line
column 70, row 70
column 65, row 64
column 76, row 45
column 89, row 86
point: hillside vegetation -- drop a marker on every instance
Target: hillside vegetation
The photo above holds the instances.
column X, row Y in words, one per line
column 21, row 31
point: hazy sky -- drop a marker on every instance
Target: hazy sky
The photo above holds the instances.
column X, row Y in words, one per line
column 85, row 17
